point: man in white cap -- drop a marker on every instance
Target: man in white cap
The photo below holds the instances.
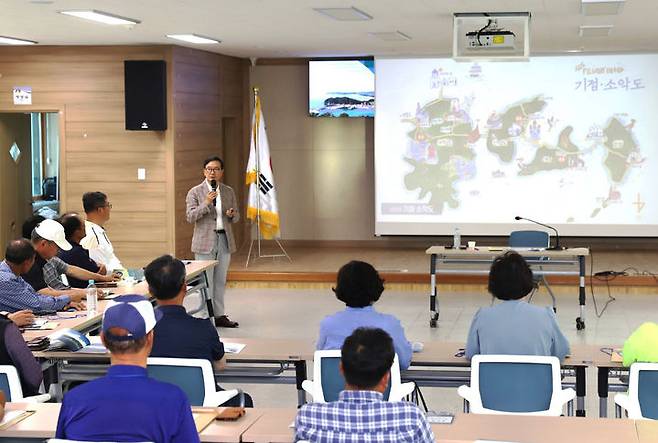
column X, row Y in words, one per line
column 47, row 238
column 127, row 405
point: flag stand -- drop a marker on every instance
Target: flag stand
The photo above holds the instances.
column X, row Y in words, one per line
column 259, row 239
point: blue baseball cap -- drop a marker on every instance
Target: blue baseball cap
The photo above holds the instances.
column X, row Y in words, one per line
column 131, row 312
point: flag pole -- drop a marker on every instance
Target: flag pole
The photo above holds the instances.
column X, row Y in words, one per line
column 255, row 130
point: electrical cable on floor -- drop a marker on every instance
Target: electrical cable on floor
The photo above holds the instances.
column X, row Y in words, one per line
column 608, row 277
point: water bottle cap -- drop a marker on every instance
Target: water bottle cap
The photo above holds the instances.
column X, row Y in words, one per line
column 91, row 282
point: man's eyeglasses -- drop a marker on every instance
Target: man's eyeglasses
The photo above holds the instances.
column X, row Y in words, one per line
column 213, row 169
column 108, row 205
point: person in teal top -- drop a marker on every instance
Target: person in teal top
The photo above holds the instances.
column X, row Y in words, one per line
column 642, row 345
column 514, row 327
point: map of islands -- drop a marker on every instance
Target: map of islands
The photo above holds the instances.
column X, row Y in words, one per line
column 444, row 143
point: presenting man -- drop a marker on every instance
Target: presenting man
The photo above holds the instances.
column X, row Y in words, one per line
column 98, row 208
column 212, row 207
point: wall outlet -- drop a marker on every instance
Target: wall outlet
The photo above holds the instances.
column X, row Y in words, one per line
column 141, row 173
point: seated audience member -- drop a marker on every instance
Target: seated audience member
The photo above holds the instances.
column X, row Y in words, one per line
column 98, row 208
column 358, row 285
column 74, row 230
column 16, row 294
column 47, row 238
column 30, row 224
column 14, row 352
column 514, row 327
column 126, row 405
column 361, row 414
column 178, row 334
column 642, row 345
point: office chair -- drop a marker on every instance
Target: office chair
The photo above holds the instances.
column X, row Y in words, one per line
column 516, row 384
column 10, row 384
column 641, row 401
column 194, row 376
column 533, row 239
column 328, row 381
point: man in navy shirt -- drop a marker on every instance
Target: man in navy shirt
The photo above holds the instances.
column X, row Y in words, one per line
column 178, row 334
column 126, row 405
column 74, row 231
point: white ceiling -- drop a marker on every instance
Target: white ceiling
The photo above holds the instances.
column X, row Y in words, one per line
column 290, row 28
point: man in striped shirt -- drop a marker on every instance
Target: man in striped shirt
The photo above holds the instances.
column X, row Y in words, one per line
column 16, row 293
column 361, row 415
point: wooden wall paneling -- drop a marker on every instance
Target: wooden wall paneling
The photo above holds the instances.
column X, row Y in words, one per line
column 170, row 204
column 111, row 137
column 196, row 79
column 122, row 195
column 63, row 76
column 115, row 167
column 76, row 54
column 197, row 107
column 147, row 226
column 197, row 136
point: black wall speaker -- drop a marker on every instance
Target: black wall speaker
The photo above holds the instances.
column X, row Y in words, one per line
column 146, row 95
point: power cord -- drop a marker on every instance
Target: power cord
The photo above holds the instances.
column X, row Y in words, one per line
column 601, row 276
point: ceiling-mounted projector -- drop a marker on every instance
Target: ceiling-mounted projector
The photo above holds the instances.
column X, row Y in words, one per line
column 490, row 36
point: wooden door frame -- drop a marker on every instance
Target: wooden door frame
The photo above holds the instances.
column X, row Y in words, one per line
column 61, row 110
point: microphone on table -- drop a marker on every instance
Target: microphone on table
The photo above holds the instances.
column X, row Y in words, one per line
column 213, row 185
column 557, row 246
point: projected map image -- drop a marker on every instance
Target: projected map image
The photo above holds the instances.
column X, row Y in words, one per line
column 570, row 148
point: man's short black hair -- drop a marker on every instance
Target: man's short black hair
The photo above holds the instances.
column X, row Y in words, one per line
column 18, row 251
column 71, row 222
column 510, row 277
column 214, row 158
column 124, row 346
column 367, row 355
column 358, row 284
column 165, row 276
column 30, row 224
column 93, row 200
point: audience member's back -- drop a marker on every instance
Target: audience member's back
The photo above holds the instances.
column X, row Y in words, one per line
column 514, row 326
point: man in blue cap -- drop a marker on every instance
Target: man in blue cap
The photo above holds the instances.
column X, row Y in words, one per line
column 126, row 405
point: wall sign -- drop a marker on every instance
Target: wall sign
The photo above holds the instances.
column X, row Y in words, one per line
column 22, row 95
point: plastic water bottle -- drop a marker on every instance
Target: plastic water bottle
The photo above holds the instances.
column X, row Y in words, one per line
column 92, row 298
column 456, row 239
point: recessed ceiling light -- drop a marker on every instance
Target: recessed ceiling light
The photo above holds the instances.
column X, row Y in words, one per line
column 194, row 38
column 15, row 41
column 101, row 17
column 396, row 36
column 344, row 14
column 601, row 7
column 595, row 30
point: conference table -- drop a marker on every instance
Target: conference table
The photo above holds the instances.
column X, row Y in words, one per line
column 42, row 424
column 269, row 425
column 273, row 426
column 476, row 261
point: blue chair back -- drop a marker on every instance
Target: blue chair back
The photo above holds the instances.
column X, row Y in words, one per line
column 333, row 381
column 188, row 378
column 528, row 239
column 516, row 387
column 4, row 386
column 648, row 394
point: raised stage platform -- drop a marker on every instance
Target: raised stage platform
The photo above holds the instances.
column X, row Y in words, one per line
column 410, row 266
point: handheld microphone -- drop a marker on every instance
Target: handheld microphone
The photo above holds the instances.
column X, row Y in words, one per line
column 557, row 246
column 213, row 185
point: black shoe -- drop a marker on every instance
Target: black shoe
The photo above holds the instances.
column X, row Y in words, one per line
column 224, row 322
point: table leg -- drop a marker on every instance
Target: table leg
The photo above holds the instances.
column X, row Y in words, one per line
column 580, row 321
column 205, row 293
column 603, row 391
column 434, row 302
column 581, row 383
column 300, row 376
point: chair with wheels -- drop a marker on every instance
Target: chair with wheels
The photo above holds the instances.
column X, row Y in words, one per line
column 516, row 384
column 10, row 384
column 194, row 376
column 641, row 401
column 328, row 381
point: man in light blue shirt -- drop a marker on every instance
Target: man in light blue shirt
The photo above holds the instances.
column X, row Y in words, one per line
column 359, row 286
column 514, row 327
